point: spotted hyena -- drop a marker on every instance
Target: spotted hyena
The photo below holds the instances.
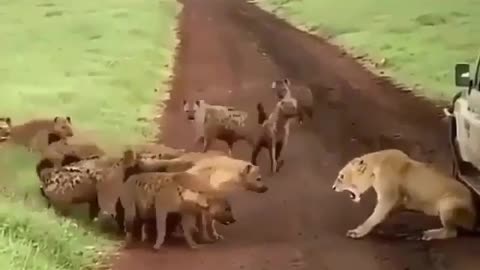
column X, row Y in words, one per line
column 154, row 195
column 218, row 122
column 302, row 94
column 275, row 131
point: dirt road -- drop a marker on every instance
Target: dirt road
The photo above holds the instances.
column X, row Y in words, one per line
column 230, row 52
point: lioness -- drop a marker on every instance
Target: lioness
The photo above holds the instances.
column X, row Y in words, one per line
column 401, row 182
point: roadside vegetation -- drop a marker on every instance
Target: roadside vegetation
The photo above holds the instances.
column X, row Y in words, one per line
column 97, row 62
column 420, row 41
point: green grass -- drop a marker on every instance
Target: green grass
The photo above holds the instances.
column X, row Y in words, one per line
column 97, row 62
column 420, row 39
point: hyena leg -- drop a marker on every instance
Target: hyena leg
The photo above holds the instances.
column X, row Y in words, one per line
column 204, row 227
column 279, row 148
column 212, row 230
column 161, row 219
column 230, row 148
column 144, row 232
column 207, row 142
column 188, row 225
column 129, row 228
column 93, row 209
column 273, row 154
column 300, row 116
column 255, row 152
column 42, row 192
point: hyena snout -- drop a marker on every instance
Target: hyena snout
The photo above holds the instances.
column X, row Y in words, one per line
column 225, row 219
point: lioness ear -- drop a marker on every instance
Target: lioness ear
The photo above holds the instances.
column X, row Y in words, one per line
column 8, row 121
column 286, row 81
column 55, row 119
column 274, row 84
column 69, row 119
column 197, row 102
column 184, row 102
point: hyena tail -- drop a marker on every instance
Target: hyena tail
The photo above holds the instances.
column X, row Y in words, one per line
column 262, row 115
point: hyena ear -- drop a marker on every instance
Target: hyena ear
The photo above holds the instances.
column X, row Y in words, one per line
column 197, row 102
column 8, row 121
column 69, row 119
column 128, row 157
column 248, row 169
column 274, row 84
column 286, row 81
column 184, row 102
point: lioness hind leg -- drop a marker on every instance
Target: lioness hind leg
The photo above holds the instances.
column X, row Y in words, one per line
column 442, row 233
column 450, row 218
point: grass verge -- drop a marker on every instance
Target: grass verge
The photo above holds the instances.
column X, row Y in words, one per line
column 97, row 62
column 420, row 40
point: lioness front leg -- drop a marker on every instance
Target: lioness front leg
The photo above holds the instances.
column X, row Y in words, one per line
column 189, row 225
column 383, row 207
column 161, row 221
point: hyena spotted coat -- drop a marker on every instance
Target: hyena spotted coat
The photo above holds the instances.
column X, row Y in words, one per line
column 224, row 123
column 154, row 195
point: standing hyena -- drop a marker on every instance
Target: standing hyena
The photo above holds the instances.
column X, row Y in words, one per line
column 302, row 94
column 154, row 195
column 60, row 128
column 275, row 131
column 218, row 122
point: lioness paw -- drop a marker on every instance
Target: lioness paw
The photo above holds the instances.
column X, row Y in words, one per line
column 356, row 233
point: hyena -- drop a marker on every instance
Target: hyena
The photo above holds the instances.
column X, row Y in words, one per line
column 67, row 185
column 275, row 131
column 302, row 94
column 5, row 128
column 117, row 172
column 219, row 176
column 218, row 122
column 61, row 129
column 154, row 195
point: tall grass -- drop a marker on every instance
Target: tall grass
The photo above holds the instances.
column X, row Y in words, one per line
column 421, row 40
column 96, row 61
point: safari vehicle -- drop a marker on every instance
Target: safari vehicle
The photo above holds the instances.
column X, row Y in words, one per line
column 464, row 126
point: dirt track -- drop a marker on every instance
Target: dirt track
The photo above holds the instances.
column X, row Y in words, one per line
column 300, row 223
